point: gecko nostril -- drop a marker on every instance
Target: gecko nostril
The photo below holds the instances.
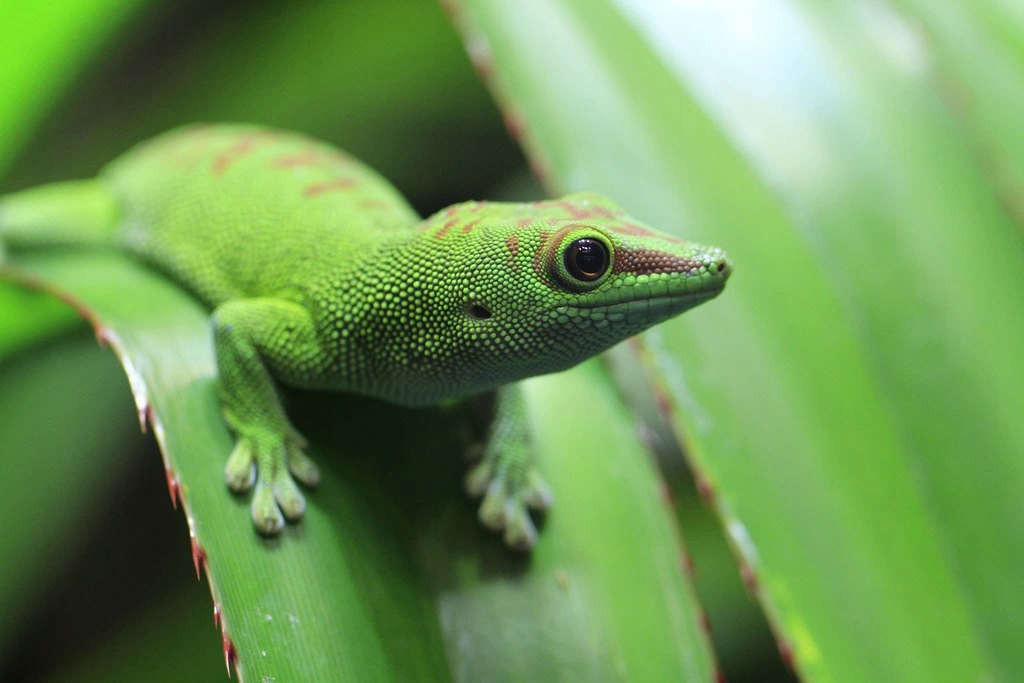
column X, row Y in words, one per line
column 721, row 267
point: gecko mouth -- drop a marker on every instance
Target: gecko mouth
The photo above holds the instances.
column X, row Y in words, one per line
column 650, row 308
column 656, row 300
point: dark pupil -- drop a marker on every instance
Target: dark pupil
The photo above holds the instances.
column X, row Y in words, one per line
column 586, row 259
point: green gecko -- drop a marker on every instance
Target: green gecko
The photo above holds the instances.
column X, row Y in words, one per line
column 321, row 276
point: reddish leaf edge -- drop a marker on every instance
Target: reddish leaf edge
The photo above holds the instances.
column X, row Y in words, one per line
column 148, row 418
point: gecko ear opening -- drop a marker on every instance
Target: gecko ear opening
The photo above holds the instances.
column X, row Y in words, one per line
column 478, row 311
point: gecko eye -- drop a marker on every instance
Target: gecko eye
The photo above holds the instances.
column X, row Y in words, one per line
column 586, row 259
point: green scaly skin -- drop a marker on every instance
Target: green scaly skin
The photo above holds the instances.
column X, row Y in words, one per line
column 321, row 276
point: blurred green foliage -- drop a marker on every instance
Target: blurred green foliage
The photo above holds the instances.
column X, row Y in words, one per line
column 852, row 405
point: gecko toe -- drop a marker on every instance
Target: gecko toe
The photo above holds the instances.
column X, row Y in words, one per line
column 240, row 471
column 288, row 497
column 302, row 467
column 265, row 512
column 520, row 532
column 479, row 478
column 494, row 507
column 537, row 494
column 502, row 511
column 271, row 463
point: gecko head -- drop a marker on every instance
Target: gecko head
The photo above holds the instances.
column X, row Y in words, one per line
column 547, row 285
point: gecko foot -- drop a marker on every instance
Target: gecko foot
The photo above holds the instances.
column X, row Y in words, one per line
column 269, row 464
column 508, row 495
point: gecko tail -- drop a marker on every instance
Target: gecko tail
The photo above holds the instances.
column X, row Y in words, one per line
column 76, row 213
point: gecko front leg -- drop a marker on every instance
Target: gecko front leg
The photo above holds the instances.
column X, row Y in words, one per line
column 254, row 338
column 506, row 476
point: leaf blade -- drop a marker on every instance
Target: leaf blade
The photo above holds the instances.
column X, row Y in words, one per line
column 788, row 382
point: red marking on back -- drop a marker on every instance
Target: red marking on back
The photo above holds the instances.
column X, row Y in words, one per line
column 312, row 157
column 230, row 654
column 524, row 222
column 468, row 227
column 337, row 185
column 445, row 228
column 719, row 676
column 198, row 555
column 307, row 158
column 374, row 205
column 173, row 487
column 245, row 144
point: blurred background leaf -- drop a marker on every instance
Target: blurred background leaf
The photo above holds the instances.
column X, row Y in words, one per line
column 979, row 50
column 44, row 49
column 63, row 424
column 829, row 401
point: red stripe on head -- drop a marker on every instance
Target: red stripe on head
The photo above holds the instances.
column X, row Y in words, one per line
column 634, row 230
column 445, row 228
column 650, row 261
column 512, row 242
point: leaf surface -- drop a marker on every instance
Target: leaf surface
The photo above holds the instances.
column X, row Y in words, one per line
column 852, row 401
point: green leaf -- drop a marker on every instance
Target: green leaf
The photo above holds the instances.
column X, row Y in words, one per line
column 853, row 399
column 978, row 61
column 27, row 316
column 62, row 424
column 42, row 51
column 149, row 647
column 390, row 577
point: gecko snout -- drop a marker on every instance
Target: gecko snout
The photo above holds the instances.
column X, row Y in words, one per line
column 718, row 265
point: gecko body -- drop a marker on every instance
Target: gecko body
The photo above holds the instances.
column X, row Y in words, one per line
column 320, row 275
